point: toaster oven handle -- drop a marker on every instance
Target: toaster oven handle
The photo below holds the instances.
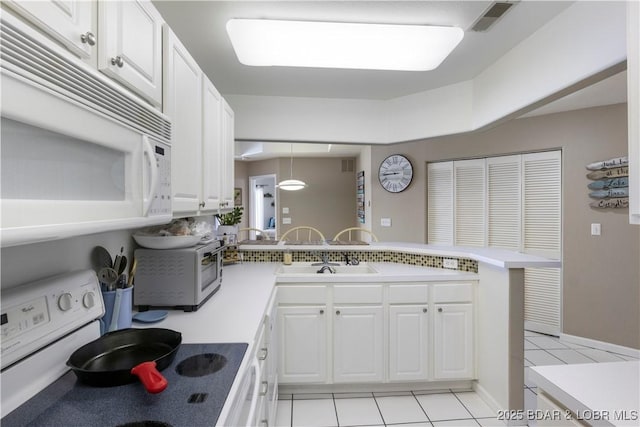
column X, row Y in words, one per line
column 147, row 151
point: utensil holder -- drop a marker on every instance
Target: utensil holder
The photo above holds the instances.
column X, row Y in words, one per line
column 124, row 312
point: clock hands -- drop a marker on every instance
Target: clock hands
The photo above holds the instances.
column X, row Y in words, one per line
column 391, row 173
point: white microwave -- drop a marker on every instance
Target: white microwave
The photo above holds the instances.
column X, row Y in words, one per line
column 80, row 154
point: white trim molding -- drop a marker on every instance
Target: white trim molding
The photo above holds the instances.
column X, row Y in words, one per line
column 601, row 345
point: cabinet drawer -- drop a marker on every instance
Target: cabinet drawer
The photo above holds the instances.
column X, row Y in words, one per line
column 303, row 294
column 452, row 292
column 363, row 294
column 414, row 294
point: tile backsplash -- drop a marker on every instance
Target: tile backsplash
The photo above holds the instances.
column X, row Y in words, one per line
column 422, row 260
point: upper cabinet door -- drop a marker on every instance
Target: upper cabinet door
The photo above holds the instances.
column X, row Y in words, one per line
column 72, row 23
column 183, row 104
column 227, row 155
column 211, row 146
column 130, row 42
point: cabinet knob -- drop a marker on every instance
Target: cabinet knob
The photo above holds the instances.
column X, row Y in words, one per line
column 118, row 61
column 201, row 204
column 88, row 38
column 439, row 309
column 321, row 311
column 424, row 310
column 338, row 312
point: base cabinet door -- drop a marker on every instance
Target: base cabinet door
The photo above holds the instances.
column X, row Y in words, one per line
column 453, row 341
column 358, row 344
column 303, row 344
column 408, row 342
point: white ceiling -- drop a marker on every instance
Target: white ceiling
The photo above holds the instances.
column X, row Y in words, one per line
column 200, row 25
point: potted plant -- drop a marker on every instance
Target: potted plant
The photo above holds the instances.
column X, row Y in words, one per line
column 229, row 221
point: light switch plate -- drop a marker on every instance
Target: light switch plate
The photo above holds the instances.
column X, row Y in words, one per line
column 286, row 220
column 285, row 210
column 595, row 229
column 385, row 222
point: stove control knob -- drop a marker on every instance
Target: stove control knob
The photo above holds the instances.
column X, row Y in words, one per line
column 89, row 300
column 65, row 301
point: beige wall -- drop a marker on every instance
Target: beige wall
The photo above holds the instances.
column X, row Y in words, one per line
column 328, row 203
column 601, row 289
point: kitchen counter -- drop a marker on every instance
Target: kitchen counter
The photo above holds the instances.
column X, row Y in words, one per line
column 386, row 272
column 493, row 256
column 606, row 394
column 235, row 313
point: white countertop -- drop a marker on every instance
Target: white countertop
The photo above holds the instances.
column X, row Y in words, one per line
column 594, row 390
column 498, row 257
column 386, row 272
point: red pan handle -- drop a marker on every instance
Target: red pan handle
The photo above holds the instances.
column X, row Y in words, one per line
column 150, row 377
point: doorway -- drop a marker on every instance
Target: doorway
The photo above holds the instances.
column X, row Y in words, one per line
column 262, row 205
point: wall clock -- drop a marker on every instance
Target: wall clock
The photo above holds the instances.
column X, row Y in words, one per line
column 395, row 173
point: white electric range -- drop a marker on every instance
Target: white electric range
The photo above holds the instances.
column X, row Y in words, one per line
column 45, row 321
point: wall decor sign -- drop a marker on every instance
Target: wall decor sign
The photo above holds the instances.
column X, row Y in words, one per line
column 360, row 196
column 610, row 183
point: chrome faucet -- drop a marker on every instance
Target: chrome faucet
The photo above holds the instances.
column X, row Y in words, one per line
column 325, row 265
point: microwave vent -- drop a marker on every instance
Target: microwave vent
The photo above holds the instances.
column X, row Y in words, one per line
column 26, row 56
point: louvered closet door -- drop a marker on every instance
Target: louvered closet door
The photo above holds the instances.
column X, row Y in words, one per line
column 440, row 203
column 469, row 202
column 542, row 217
column 504, row 182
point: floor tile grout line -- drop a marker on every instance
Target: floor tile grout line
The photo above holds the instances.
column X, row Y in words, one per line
column 335, row 408
column 463, row 405
column 420, row 405
column 379, row 410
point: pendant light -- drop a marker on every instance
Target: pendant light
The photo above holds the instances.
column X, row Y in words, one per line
column 291, row 184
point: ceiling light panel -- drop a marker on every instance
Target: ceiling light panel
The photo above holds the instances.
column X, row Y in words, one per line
column 262, row 42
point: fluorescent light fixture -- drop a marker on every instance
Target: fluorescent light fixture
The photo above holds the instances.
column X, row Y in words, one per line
column 263, row 42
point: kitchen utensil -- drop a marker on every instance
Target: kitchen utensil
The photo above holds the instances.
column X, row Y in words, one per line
column 108, row 276
column 100, row 258
column 132, row 272
column 118, row 357
column 116, row 311
column 151, row 316
column 123, row 265
column 118, row 260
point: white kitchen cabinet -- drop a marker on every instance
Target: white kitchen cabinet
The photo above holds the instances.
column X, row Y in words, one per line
column 408, row 342
column 227, row 155
column 358, row 344
column 183, row 104
column 212, row 115
column 271, row 366
column 72, row 23
column 130, row 46
column 453, row 341
column 303, row 344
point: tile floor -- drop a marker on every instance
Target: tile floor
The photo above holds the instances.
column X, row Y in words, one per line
column 421, row 408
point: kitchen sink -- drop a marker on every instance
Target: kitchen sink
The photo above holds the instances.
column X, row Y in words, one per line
column 342, row 269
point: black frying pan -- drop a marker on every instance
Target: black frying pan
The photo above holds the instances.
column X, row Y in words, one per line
column 119, row 357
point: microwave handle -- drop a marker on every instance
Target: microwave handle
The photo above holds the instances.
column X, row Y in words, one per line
column 147, row 151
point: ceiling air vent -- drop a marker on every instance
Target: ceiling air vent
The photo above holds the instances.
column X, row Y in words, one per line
column 348, row 165
column 491, row 16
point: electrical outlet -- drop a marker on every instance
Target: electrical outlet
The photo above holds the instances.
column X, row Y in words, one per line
column 450, row 263
column 385, row 222
column 595, row 229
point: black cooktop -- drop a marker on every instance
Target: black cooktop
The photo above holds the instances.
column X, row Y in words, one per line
column 199, row 379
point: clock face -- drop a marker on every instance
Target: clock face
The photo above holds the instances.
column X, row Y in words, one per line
column 395, row 173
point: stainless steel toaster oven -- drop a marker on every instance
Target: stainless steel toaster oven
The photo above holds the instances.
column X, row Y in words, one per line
column 182, row 278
